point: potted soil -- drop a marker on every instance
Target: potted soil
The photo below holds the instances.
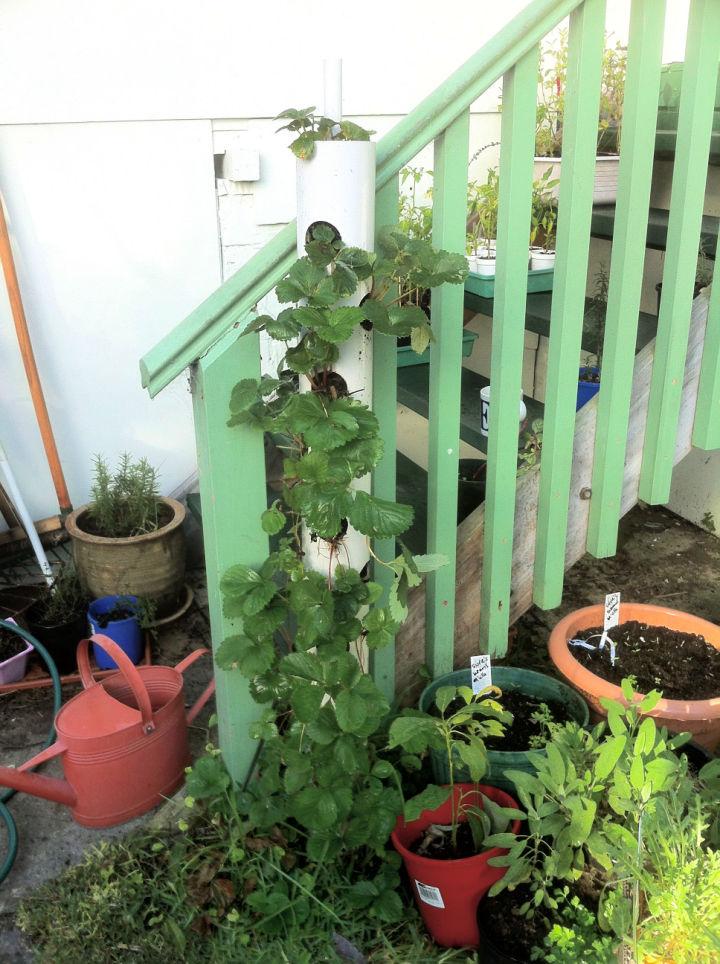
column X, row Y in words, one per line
column 537, row 702
column 664, row 649
column 14, row 654
column 58, row 619
column 117, row 617
column 442, row 831
column 129, row 539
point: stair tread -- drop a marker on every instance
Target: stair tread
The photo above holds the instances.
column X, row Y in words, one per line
column 414, row 389
column 603, row 224
column 537, row 318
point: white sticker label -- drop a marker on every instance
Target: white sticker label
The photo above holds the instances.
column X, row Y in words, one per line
column 429, row 895
column 612, row 610
column 480, row 673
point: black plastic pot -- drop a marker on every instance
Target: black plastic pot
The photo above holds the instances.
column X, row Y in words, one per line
column 471, row 486
column 60, row 641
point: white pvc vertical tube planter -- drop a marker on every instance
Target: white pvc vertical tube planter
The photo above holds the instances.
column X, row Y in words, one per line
column 337, row 187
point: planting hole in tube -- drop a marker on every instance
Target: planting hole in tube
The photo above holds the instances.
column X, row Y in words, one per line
column 325, row 237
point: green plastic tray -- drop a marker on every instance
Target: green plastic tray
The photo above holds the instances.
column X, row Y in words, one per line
column 406, row 356
column 484, row 287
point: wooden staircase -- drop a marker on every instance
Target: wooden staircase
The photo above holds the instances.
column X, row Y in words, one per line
column 410, row 646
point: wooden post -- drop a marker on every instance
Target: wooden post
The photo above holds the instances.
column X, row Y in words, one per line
column 231, row 464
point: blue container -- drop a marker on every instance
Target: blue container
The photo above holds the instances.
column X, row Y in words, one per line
column 125, row 632
column 587, row 390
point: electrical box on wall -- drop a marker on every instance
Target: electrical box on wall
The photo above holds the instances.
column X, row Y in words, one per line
column 237, row 155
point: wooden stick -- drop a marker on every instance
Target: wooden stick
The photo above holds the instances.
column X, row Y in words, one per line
column 28, row 357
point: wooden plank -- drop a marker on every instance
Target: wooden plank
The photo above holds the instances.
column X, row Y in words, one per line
column 697, row 100
column 508, row 339
column 471, row 532
column 706, row 432
column 231, row 465
column 582, row 102
column 382, row 662
column 626, row 270
column 449, row 215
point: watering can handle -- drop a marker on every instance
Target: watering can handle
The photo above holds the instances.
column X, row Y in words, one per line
column 209, row 689
column 127, row 669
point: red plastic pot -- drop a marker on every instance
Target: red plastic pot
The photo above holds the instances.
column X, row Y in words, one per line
column 447, row 892
column 699, row 717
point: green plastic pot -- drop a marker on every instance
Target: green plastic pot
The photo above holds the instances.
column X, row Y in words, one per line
column 506, row 678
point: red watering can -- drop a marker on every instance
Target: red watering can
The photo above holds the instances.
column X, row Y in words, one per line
column 123, row 741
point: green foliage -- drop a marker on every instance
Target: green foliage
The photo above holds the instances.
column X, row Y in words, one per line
column 63, row 601
column 215, row 891
column 483, row 212
column 531, row 447
column 126, row 503
column 465, row 719
column 574, row 936
column 414, row 218
column 311, row 128
column 552, row 82
column 595, row 313
column 543, row 215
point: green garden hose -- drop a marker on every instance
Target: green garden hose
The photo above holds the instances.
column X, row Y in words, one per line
column 5, row 814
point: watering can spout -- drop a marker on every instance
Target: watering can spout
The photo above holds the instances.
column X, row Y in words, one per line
column 49, row 788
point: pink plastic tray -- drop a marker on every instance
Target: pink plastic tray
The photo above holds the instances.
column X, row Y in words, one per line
column 12, row 670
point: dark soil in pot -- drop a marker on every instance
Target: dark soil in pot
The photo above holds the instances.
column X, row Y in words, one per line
column 114, row 615
column 87, row 523
column 436, row 843
column 472, row 475
column 683, row 666
column 10, row 645
column 523, row 730
column 506, row 938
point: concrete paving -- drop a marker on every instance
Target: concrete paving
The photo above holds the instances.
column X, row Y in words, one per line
column 49, row 839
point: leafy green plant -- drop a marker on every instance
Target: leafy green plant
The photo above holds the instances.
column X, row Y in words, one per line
column 464, row 722
column 543, row 717
column 543, row 220
column 574, row 936
column 529, row 453
column 552, row 82
column 63, row 601
column 585, row 781
column 595, row 314
column 414, row 217
column 304, row 633
column 311, row 128
column 705, row 265
column 126, row 503
column 483, row 213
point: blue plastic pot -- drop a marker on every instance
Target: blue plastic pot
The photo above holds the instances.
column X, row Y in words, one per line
column 586, row 390
column 125, row 632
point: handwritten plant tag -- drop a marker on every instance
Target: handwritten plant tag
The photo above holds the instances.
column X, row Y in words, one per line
column 611, row 619
column 480, row 673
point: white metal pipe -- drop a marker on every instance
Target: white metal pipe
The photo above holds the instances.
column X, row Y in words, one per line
column 25, row 518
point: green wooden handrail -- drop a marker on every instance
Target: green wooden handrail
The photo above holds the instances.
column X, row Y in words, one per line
column 236, row 298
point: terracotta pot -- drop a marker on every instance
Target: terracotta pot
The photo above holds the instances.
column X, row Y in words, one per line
column 151, row 565
column 447, row 892
column 699, row 717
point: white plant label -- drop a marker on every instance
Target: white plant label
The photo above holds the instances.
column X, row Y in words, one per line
column 429, row 895
column 612, row 610
column 480, row 673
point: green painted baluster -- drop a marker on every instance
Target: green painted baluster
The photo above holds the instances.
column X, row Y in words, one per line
column 516, row 174
column 382, row 662
column 706, row 430
column 449, row 215
column 231, row 465
column 582, row 100
column 697, row 98
column 626, row 272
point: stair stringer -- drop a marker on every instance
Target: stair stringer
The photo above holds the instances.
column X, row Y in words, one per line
column 410, row 645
